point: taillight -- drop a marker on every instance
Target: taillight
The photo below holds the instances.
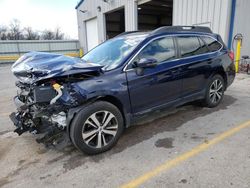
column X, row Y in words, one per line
column 231, row 55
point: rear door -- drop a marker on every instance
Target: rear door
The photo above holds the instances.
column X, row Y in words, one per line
column 195, row 63
column 158, row 85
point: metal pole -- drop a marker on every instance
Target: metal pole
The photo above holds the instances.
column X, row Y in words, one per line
column 80, row 52
column 238, row 38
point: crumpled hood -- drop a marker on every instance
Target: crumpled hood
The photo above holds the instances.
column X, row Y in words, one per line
column 36, row 66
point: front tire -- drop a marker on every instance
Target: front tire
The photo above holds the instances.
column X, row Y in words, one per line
column 214, row 91
column 97, row 127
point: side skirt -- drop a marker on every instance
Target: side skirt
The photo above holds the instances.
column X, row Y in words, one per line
column 169, row 106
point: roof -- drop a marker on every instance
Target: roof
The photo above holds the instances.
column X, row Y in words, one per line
column 175, row 29
column 171, row 30
column 79, row 3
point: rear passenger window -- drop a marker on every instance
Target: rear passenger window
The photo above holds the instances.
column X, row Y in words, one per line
column 189, row 46
column 213, row 45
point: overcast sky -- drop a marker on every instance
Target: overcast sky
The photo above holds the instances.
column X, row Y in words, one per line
column 41, row 14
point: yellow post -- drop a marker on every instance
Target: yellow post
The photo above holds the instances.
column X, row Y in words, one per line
column 237, row 60
column 80, row 52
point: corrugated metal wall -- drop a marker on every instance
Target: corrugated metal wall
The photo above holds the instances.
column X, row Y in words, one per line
column 90, row 6
column 242, row 24
column 10, row 50
column 212, row 13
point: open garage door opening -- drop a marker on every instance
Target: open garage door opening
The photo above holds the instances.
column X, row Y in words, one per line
column 154, row 14
column 115, row 23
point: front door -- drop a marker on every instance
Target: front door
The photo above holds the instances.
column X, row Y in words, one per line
column 157, row 85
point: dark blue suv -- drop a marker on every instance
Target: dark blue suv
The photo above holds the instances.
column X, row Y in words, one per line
column 90, row 101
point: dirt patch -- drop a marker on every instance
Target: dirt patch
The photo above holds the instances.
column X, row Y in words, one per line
column 41, row 151
column 4, row 181
column 56, row 159
column 5, row 147
column 210, row 133
column 44, row 177
column 21, row 162
column 4, row 132
column 3, row 152
column 17, row 171
column 68, row 151
column 74, row 162
column 78, row 159
column 183, row 181
column 164, row 143
column 22, row 167
column 71, row 159
column 197, row 137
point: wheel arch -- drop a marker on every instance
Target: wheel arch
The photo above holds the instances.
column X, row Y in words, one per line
column 116, row 102
column 108, row 98
column 222, row 73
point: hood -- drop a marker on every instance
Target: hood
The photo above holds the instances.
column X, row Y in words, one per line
column 36, row 66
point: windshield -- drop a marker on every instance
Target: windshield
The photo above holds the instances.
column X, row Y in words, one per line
column 111, row 53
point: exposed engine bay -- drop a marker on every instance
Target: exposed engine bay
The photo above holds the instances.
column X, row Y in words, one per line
column 47, row 90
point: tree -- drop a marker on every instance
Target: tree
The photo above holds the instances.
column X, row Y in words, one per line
column 30, row 34
column 15, row 32
column 58, row 34
column 48, row 35
column 52, row 35
column 3, row 32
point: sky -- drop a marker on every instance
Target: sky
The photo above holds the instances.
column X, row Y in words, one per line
column 41, row 14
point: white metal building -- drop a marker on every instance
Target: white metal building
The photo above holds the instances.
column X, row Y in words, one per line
column 99, row 20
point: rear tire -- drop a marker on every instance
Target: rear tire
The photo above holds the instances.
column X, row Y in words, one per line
column 214, row 91
column 97, row 127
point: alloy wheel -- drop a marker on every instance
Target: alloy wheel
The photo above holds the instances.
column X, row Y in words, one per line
column 99, row 129
column 216, row 91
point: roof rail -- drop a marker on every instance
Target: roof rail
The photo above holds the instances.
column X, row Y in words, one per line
column 126, row 33
column 171, row 29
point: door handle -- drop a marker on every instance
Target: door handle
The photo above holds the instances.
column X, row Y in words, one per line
column 176, row 70
column 168, row 75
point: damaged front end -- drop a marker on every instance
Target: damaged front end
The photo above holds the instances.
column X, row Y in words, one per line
column 47, row 91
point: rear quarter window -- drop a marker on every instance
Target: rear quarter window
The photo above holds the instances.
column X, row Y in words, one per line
column 212, row 44
column 204, row 49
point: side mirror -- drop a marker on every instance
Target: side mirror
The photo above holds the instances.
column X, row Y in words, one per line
column 146, row 63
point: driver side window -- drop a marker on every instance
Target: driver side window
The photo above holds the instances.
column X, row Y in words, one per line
column 160, row 49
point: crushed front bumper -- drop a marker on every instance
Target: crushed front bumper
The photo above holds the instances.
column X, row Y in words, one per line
column 17, row 121
column 46, row 132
